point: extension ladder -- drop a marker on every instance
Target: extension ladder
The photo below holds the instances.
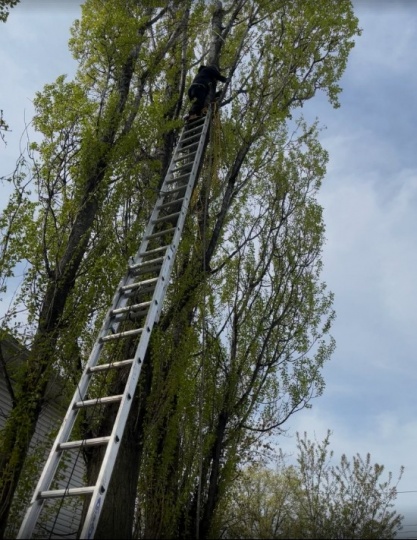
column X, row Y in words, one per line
column 137, row 303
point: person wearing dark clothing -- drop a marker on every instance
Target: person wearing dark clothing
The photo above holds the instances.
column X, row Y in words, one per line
column 200, row 88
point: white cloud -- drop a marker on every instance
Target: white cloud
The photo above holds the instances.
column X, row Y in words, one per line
column 390, row 439
column 57, row 6
column 371, row 249
column 370, row 199
column 391, row 25
column 369, row 195
column 33, row 52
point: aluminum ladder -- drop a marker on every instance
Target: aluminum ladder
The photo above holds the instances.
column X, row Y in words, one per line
column 136, row 299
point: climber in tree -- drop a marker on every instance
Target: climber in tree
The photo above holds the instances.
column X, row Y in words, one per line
column 200, row 88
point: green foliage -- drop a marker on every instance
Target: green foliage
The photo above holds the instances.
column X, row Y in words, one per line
column 16, row 224
column 5, row 6
column 4, row 126
column 243, row 336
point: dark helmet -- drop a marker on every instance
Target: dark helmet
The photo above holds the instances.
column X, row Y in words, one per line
column 200, row 68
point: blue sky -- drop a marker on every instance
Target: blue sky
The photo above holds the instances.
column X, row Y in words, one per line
column 370, row 201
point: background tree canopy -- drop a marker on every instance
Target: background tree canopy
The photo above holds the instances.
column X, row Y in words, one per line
column 245, row 328
column 313, row 499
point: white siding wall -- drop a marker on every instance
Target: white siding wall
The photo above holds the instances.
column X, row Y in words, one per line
column 66, row 523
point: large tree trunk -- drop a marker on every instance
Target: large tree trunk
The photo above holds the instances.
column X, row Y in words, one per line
column 21, row 424
column 127, row 468
column 213, row 484
column 266, row 89
column 117, row 518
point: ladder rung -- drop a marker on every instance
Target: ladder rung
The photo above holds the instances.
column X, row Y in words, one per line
column 196, row 130
column 175, row 190
column 146, row 263
column 148, row 270
column 191, row 145
column 127, row 333
column 113, row 365
column 190, row 165
column 196, row 121
column 169, row 203
column 131, row 315
column 161, row 233
column 191, row 154
column 192, row 131
column 191, row 137
column 177, row 178
column 156, row 250
column 134, row 297
column 192, row 140
column 98, row 441
column 187, row 172
column 97, row 401
column 139, row 284
column 134, row 307
column 58, row 493
column 166, row 218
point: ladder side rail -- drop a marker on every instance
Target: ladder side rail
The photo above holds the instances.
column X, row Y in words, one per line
column 181, row 220
column 155, row 212
column 103, row 480
column 67, row 425
column 54, row 457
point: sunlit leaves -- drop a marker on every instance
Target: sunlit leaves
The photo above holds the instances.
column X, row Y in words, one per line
column 246, row 319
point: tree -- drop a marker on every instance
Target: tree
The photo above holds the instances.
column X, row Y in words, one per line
column 5, row 5
column 348, row 500
column 314, row 499
column 244, row 331
column 260, row 504
column 74, row 182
